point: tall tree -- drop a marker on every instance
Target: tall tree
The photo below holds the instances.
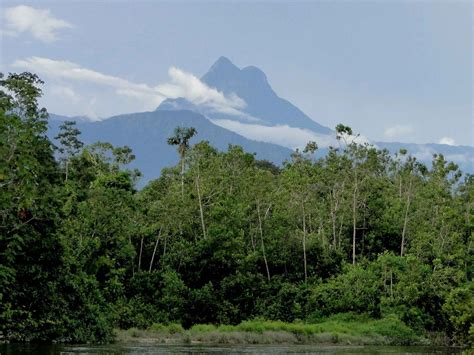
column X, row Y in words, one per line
column 30, row 251
column 181, row 138
column 70, row 144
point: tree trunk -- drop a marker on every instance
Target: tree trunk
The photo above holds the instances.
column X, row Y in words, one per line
column 164, row 246
column 334, row 239
column 154, row 250
column 140, row 255
column 354, row 223
column 67, row 168
column 304, row 246
column 252, row 240
column 405, row 221
column 333, row 218
column 201, row 211
column 262, row 242
column 182, row 176
column 339, row 235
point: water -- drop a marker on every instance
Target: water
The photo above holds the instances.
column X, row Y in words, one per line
column 10, row 349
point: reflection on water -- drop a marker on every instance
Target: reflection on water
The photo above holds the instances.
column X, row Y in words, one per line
column 205, row 349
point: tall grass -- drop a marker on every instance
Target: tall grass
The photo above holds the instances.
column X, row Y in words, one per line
column 342, row 329
column 391, row 328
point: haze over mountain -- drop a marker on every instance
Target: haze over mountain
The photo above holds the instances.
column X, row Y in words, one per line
column 257, row 119
column 147, row 132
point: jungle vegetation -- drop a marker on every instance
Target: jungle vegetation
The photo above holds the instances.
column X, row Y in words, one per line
column 223, row 238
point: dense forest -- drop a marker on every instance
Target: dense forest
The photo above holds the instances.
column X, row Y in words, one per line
column 222, row 237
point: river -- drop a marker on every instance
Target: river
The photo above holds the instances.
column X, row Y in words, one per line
column 10, row 349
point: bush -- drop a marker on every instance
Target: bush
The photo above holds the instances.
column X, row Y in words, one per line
column 357, row 290
column 459, row 307
column 283, row 301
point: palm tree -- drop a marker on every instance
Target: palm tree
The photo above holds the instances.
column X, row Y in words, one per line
column 181, row 138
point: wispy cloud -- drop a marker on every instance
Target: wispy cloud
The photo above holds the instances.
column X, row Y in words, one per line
column 194, row 90
column 40, row 23
column 447, row 140
column 398, row 131
column 65, row 92
column 291, row 137
column 182, row 84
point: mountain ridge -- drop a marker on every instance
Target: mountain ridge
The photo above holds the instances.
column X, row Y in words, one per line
column 251, row 85
column 147, row 132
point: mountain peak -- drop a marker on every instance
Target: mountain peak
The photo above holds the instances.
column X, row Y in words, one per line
column 228, row 78
column 223, row 65
column 251, row 85
column 255, row 72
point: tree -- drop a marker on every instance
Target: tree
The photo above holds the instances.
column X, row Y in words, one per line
column 181, row 138
column 30, row 250
column 248, row 239
column 70, row 143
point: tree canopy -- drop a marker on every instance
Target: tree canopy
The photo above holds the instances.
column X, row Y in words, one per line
column 222, row 237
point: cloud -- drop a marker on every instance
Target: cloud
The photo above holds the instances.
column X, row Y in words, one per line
column 40, row 23
column 291, row 137
column 447, row 140
column 191, row 88
column 287, row 136
column 182, row 84
column 398, row 131
column 65, row 92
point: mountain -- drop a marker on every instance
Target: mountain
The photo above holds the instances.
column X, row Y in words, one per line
column 147, row 132
column 262, row 104
column 263, row 117
column 264, row 110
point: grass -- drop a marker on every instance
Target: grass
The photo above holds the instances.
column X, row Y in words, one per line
column 340, row 329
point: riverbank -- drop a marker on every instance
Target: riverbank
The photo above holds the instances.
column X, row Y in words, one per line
column 387, row 331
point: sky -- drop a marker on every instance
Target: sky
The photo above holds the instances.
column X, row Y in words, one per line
column 392, row 70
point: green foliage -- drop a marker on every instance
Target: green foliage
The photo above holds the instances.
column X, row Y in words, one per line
column 356, row 290
column 223, row 238
column 340, row 328
column 459, row 307
column 171, row 328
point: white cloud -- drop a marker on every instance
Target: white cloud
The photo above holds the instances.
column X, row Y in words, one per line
column 194, row 90
column 65, row 92
column 291, row 137
column 398, row 131
column 447, row 140
column 187, row 85
column 287, row 136
column 40, row 23
column 182, row 84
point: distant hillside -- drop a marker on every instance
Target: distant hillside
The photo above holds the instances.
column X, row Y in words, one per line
column 146, row 133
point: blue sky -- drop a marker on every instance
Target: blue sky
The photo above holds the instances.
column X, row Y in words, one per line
column 392, row 70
